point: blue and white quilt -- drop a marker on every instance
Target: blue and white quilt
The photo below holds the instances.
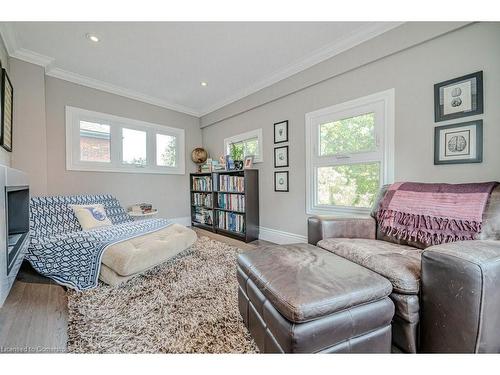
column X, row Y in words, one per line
column 59, row 249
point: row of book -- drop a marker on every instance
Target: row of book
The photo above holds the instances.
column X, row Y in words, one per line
column 231, row 221
column 202, row 183
column 234, row 202
column 202, row 199
column 203, row 216
column 231, row 183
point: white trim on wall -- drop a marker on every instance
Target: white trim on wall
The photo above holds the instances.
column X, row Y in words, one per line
column 280, row 237
column 184, row 220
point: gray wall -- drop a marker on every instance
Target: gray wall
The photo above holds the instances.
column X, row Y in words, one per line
column 169, row 193
column 4, row 57
column 412, row 73
column 29, row 152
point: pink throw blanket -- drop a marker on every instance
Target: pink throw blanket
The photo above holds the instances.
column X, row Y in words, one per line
column 434, row 213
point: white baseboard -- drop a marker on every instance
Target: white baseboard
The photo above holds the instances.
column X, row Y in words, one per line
column 185, row 220
column 280, row 237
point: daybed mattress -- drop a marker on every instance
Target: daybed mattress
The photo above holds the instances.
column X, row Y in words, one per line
column 125, row 259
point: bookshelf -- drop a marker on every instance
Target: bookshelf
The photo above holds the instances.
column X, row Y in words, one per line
column 226, row 202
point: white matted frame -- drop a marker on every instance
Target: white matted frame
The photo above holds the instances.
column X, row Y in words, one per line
column 74, row 163
column 382, row 104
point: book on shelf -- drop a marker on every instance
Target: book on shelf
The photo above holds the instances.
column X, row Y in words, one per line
column 202, row 183
column 231, row 221
column 231, row 183
column 203, row 216
column 233, row 202
column 202, row 199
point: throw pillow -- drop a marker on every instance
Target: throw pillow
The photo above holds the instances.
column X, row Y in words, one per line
column 91, row 215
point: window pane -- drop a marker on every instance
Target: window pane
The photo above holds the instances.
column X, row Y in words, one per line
column 237, row 151
column 348, row 135
column 166, row 150
column 134, row 146
column 252, row 147
column 95, row 142
column 352, row 185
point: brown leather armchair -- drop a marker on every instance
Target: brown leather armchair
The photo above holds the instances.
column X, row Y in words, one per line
column 447, row 297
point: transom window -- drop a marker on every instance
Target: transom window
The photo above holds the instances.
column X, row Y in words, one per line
column 349, row 154
column 246, row 144
column 102, row 142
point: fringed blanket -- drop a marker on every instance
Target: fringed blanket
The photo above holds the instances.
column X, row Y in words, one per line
column 433, row 213
column 74, row 258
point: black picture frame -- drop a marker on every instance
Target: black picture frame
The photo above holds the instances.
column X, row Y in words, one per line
column 275, row 159
column 476, row 97
column 287, row 182
column 478, row 145
column 6, row 84
column 274, row 131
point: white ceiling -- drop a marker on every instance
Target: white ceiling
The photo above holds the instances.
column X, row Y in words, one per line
column 164, row 62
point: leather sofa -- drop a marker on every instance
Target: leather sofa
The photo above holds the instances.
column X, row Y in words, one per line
column 446, row 297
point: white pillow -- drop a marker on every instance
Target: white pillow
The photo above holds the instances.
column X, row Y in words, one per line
column 91, row 215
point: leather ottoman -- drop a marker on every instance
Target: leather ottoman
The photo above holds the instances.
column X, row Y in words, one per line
column 302, row 299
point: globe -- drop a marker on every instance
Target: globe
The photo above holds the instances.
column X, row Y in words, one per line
column 199, row 155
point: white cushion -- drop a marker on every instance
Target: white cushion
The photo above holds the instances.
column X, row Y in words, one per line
column 143, row 252
column 91, row 215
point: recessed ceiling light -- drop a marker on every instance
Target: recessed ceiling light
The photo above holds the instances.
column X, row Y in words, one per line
column 203, row 83
column 92, row 37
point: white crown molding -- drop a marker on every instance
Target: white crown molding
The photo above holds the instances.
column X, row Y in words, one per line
column 364, row 34
column 33, row 57
column 117, row 90
column 9, row 37
column 280, row 237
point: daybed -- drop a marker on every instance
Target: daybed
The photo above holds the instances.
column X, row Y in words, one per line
column 76, row 258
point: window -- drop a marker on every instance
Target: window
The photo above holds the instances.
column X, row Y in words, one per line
column 101, row 142
column 246, row 144
column 349, row 152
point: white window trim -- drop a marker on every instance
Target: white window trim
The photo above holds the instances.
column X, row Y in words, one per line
column 257, row 133
column 384, row 98
column 73, row 163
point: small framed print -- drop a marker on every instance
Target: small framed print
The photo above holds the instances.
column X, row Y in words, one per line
column 281, row 181
column 459, row 143
column 248, row 162
column 281, row 132
column 459, row 97
column 281, row 157
column 6, row 111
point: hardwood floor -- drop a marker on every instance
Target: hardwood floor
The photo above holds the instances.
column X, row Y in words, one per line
column 34, row 318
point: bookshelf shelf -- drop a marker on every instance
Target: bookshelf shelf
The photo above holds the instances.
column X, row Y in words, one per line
column 232, row 213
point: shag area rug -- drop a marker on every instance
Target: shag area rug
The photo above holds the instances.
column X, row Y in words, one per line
column 187, row 305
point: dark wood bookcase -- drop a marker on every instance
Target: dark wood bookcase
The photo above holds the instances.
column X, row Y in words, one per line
column 250, row 196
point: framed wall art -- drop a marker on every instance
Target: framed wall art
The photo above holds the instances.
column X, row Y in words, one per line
column 281, row 157
column 459, row 143
column 6, row 102
column 459, row 97
column 281, row 181
column 281, row 132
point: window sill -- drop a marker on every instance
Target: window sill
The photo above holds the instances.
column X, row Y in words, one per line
column 356, row 212
column 126, row 170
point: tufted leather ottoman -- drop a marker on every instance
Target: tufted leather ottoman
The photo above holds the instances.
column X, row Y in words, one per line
column 302, row 299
